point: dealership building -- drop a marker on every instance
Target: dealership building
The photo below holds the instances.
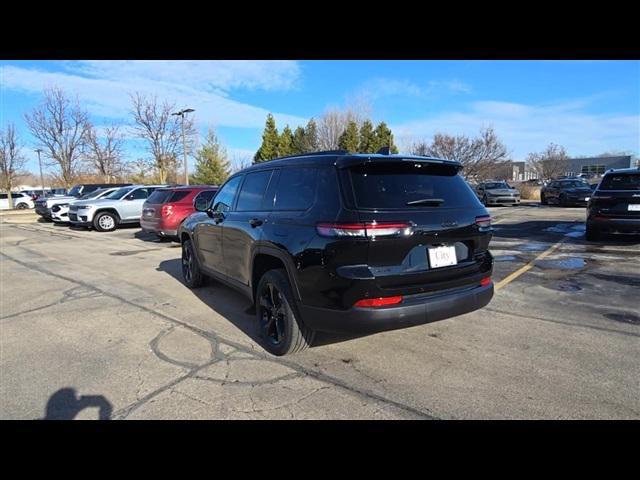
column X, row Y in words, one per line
column 519, row 171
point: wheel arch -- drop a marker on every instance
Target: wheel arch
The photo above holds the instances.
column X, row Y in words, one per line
column 268, row 258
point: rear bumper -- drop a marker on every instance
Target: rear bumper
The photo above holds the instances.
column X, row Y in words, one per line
column 616, row 225
column 156, row 226
column 415, row 310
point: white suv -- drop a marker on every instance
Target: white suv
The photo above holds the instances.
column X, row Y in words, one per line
column 60, row 211
column 20, row 201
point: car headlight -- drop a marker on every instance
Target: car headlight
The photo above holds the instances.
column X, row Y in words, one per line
column 84, row 207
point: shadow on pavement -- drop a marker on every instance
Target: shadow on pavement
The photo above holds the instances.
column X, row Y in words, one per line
column 237, row 309
column 65, row 405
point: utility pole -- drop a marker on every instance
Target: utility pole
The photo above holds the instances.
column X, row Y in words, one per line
column 184, row 143
column 41, row 176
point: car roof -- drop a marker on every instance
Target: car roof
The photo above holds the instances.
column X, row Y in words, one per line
column 190, row 187
column 343, row 159
column 623, row 171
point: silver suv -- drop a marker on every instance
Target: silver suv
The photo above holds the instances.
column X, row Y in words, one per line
column 122, row 206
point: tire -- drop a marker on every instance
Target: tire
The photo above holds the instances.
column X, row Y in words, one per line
column 22, row 206
column 191, row 273
column 105, row 222
column 279, row 325
column 543, row 200
column 592, row 234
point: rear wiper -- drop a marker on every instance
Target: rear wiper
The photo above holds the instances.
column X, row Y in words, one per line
column 436, row 201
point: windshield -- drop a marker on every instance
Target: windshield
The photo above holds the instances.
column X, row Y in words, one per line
column 573, row 184
column 409, row 185
column 75, row 191
column 491, row 186
column 621, row 182
column 94, row 194
column 119, row 193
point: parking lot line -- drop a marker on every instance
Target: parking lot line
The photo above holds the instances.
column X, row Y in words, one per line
column 512, row 276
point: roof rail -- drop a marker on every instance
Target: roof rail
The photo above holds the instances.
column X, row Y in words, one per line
column 313, row 154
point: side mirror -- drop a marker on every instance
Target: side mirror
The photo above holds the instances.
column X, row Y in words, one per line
column 216, row 215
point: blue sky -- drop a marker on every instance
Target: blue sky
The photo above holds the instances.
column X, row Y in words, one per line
column 587, row 106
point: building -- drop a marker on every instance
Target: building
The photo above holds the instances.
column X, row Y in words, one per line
column 598, row 165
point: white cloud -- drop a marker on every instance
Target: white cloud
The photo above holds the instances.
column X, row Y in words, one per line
column 104, row 86
column 529, row 128
column 386, row 87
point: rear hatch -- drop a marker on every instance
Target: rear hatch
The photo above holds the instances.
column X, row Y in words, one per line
column 618, row 196
column 152, row 208
column 442, row 232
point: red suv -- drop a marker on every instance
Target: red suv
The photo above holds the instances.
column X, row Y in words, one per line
column 166, row 208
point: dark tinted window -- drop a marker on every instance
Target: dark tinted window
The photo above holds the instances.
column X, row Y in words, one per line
column 621, row 182
column 3, row 196
column 208, row 195
column 572, row 184
column 16, row 195
column 139, row 194
column 396, row 185
column 296, row 189
column 179, row 195
column 159, row 196
column 224, row 199
column 252, row 191
column 494, row 185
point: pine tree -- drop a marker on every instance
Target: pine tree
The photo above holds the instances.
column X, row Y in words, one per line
column 270, row 142
column 285, row 144
column 349, row 140
column 383, row 138
column 367, row 138
column 299, row 141
column 311, row 136
column 212, row 166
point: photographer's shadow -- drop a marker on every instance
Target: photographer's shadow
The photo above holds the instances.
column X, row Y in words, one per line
column 65, row 405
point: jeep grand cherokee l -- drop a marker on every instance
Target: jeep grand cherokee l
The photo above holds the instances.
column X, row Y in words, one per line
column 614, row 206
column 344, row 243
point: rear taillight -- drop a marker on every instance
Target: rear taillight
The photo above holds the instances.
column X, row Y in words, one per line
column 364, row 229
column 485, row 281
column 167, row 210
column 378, row 302
column 483, row 221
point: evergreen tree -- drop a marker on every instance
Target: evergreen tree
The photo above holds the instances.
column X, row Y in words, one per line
column 270, row 142
column 212, row 165
column 383, row 138
column 299, row 141
column 311, row 136
column 349, row 140
column 367, row 138
column 285, row 144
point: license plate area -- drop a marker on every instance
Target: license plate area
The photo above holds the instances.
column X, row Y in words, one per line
column 634, row 207
column 442, row 256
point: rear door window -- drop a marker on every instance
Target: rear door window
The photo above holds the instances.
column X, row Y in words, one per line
column 252, row 192
column 621, row 182
column 396, row 185
column 296, row 188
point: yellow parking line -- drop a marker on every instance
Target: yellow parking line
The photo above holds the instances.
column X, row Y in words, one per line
column 512, row 276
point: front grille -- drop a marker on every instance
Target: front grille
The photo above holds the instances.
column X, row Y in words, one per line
column 73, row 216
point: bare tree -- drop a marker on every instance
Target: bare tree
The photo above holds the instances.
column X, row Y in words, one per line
column 59, row 125
column 104, row 153
column 11, row 160
column 481, row 156
column 550, row 163
column 162, row 132
column 334, row 121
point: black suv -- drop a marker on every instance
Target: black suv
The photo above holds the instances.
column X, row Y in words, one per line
column 344, row 242
column 614, row 206
column 566, row 192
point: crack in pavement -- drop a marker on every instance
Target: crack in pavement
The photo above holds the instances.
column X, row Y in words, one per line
column 213, row 337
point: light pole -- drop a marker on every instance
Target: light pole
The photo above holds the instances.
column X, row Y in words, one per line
column 40, row 164
column 184, row 144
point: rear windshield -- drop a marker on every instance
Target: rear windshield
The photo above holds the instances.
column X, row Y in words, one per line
column 410, row 185
column 159, row 196
column 573, row 184
column 621, row 182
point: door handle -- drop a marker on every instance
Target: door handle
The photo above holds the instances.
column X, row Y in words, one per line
column 255, row 222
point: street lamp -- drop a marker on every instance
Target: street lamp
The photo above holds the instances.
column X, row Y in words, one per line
column 40, row 164
column 184, row 145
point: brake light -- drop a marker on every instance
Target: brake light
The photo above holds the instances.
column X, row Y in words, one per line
column 378, row 302
column 485, row 281
column 364, row 229
column 483, row 221
column 167, row 210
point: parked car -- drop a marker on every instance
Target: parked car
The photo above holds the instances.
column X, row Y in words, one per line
column 565, row 193
column 44, row 204
column 614, row 207
column 166, row 208
column 60, row 211
column 343, row 242
column 497, row 193
column 124, row 205
column 20, row 201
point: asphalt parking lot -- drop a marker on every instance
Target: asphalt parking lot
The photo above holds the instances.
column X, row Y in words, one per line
column 100, row 325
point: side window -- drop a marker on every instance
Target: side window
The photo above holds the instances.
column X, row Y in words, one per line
column 296, row 188
column 204, row 196
column 139, row 194
column 252, row 191
column 179, row 195
column 3, row 196
column 224, row 199
column 16, row 195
